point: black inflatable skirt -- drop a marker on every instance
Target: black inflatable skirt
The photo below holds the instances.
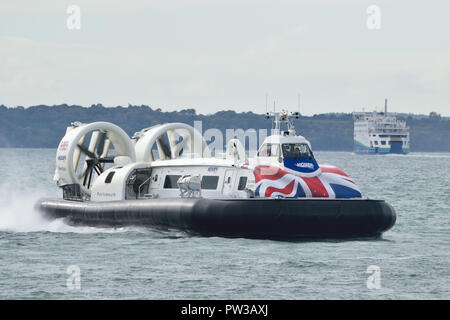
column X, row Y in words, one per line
column 249, row 218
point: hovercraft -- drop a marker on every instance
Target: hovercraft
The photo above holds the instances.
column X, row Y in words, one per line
column 165, row 177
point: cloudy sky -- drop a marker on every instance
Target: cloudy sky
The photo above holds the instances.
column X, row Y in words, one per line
column 227, row 54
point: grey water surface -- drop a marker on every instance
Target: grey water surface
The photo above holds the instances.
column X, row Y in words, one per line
column 141, row 263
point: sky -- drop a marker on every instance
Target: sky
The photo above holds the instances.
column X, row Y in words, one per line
column 215, row 55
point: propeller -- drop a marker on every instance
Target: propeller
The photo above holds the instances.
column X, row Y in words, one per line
column 94, row 161
column 86, row 151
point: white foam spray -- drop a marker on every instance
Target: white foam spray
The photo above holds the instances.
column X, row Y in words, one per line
column 17, row 214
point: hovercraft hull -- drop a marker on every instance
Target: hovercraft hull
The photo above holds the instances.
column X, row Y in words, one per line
column 248, row 218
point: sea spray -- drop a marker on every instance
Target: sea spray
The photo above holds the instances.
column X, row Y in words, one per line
column 18, row 214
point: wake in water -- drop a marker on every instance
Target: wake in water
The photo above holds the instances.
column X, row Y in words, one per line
column 17, row 214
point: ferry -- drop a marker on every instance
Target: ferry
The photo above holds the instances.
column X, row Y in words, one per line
column 380, row 133
column 166, row 177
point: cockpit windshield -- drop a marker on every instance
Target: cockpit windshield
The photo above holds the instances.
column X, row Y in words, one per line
column 296, row 150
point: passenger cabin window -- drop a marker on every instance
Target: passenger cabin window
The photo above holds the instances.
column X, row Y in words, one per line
column 296, row 150
column 210, row 182
column 269, row 150
column 171, row 181
column 242, row 183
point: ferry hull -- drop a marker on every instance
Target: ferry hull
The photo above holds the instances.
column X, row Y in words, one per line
column 360, row 148
column 248, row 218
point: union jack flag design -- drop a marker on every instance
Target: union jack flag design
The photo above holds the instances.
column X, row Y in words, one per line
column 332, row 182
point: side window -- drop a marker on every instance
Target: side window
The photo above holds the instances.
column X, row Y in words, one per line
column 242, row 183
column 264, row 152
column 269, row 150
column 210, row 182
column 109, row 177
column 171, row 181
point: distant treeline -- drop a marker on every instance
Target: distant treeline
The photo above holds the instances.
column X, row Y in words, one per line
column 43, row 126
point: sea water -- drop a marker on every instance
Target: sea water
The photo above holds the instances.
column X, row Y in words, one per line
column 48, row 259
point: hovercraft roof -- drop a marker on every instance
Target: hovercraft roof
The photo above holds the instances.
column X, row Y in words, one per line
column 195, row 161
column 281, row 138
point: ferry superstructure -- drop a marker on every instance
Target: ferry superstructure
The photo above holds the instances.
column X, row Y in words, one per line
column 380, row 133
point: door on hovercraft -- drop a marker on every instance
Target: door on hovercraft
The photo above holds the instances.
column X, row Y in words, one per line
column 138, row 183
column 228, row 180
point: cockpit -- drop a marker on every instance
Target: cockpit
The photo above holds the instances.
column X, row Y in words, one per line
column 289, row 150
column 296, row 150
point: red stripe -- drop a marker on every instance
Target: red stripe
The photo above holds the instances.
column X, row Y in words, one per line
column 349, row 181
column 316, row 186
column 286, row 190
column 334, row 170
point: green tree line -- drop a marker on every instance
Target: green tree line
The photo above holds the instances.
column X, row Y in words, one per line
column 43, row 126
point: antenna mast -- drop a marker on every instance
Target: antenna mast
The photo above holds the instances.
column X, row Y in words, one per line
column 283, row 117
